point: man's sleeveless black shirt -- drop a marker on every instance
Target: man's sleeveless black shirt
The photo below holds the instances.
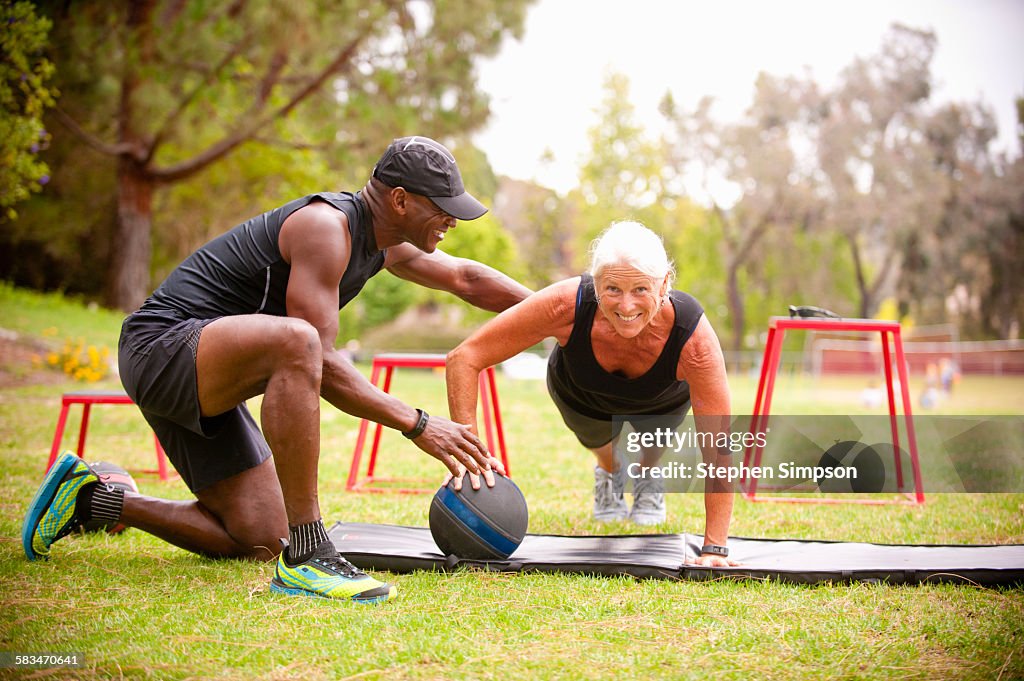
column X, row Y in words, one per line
column 242, row 271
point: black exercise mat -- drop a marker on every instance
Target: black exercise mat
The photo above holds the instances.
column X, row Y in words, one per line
column 405, row 549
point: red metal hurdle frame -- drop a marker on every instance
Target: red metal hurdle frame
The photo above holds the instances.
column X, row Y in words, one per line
column 777, row 327
column 87, row 399
column 387, row 363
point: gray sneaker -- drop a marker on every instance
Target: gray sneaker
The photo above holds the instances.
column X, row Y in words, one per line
column 609, row 503
column 648, row 501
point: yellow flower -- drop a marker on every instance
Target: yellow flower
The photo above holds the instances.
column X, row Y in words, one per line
column 80, row 361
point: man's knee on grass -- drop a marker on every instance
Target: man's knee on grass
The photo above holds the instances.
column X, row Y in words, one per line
column 254, row 539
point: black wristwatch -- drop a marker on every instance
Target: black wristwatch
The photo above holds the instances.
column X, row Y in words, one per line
column 717, row 550
column 420, row 426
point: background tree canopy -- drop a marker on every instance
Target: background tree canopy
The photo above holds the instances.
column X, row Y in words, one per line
column 862, row 192
column 178, row 119
column 24, row 96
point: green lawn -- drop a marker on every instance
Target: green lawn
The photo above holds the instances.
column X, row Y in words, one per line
column 139, row 608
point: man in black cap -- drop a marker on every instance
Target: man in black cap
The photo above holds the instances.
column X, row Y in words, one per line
column 255, row 312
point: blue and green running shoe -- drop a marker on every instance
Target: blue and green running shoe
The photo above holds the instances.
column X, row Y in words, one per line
column 52, row 513
column 327, row 575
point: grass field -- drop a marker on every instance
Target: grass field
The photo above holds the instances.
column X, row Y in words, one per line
column 138, row 608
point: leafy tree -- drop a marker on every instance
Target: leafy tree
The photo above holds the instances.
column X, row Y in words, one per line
column 692, row 237
column 881, row 179
column 24, row 96
column 624, row 177
column 484, row 240
column 848, row 196
column 968, row 266
column 621, row 177
column 253, row 179
column 924, row 203
column 536, row 218
column 168, row 89
column 623, row 167
column 752, row 164
column 912, row 195
column 382, row 299
column 62, row 237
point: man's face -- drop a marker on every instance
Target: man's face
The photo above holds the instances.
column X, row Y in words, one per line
column 428, row 224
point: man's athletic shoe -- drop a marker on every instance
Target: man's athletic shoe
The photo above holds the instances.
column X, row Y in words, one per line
column 648, row 501
column 608, row 501
column 327, row 575
column 53, row 511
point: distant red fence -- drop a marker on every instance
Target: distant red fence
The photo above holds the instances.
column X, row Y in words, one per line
column 996, row 358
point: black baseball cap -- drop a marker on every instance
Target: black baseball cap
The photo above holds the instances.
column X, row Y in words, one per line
column 426, row 167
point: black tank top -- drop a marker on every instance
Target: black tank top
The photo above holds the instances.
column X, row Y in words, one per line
column 578, row 379
column 242, row 271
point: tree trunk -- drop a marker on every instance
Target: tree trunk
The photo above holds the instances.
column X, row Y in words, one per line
column 735, row 306
column 128, row 277
column 858, row 269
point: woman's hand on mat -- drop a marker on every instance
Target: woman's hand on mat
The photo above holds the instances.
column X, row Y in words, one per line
column 711, row 560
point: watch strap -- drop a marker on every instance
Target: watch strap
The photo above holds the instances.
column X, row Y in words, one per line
column 421, row 425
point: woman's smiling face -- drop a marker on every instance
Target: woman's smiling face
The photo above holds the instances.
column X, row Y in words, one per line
column 628, row 298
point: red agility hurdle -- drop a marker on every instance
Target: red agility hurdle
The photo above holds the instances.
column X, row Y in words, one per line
column 87, row 399
column 387, row 363
column 890, row 331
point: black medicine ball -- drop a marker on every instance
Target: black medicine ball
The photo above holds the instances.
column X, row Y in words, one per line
column 870, row 471
column 833, row 459
column 484, row 524
column 864, row 461
column 115, row 476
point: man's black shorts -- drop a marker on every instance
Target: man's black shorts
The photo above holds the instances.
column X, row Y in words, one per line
column 157, row 363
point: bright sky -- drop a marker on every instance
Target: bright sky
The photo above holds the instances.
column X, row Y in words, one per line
column 545, row 89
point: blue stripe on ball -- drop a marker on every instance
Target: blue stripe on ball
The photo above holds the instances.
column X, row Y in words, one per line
column 473, row 522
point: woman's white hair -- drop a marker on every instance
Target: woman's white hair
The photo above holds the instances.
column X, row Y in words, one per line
column 630, row 243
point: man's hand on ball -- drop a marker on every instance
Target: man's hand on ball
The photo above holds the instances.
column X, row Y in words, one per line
column 474, row 479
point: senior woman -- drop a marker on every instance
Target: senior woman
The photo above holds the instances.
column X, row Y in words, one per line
column 628, row 345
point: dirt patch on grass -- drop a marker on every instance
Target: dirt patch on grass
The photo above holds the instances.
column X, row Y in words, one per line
column 19, row 362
